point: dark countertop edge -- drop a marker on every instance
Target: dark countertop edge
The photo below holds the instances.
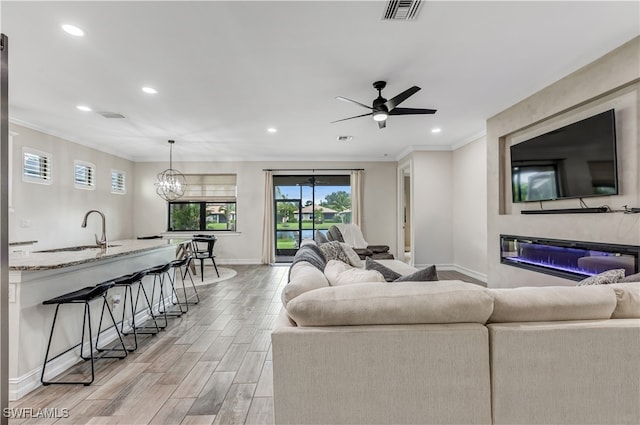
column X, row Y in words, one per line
column 22, row 243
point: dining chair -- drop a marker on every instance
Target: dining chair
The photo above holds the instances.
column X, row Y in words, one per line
column 202, row 249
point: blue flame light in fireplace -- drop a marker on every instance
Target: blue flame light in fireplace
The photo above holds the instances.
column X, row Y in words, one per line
column 569, row 259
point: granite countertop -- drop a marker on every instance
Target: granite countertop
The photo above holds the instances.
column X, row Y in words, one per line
column 54, row 259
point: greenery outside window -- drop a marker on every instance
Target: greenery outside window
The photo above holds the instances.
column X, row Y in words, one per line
column 192, row 216
column 209, row 203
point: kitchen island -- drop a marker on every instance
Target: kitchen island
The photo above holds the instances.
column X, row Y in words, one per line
column 41, row 275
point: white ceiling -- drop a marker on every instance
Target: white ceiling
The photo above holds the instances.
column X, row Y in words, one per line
column 226, row 71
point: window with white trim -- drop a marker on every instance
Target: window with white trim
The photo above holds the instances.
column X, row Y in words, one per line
column 84, row 175
column 36, row 166
column 118, row 182
column 209, row 203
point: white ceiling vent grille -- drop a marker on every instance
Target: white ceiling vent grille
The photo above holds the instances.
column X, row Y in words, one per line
column 108, row 114
column 402, row 10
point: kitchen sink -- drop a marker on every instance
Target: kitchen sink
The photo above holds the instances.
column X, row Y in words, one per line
column 75, row 248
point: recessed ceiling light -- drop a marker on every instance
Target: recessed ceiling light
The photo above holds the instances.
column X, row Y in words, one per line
column 436, row 130
column 73, row 30
column 149, row 90
column 272, row 130
column 84, row 108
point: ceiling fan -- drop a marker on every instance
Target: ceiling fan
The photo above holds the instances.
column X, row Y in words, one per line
column 382, row 107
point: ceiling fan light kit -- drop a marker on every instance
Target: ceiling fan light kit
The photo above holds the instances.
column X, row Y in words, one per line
column 380, row 116
column 382, row 108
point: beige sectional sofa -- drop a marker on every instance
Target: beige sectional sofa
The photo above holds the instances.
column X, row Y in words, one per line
column 451, row 352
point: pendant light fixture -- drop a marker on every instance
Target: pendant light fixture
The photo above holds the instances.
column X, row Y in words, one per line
column 171, row 183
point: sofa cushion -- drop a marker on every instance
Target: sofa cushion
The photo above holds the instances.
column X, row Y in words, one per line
column 628, row 297
column 604, row 278
column 333, row 251
column 630, row 278
column 388, row 274
column 427, row 274
column 339, row 273
column 552, row 303
column 304, row 277
column 383, row 304
column 397, row 266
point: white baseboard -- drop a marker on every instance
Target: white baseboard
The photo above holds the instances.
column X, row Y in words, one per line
column 22, row 385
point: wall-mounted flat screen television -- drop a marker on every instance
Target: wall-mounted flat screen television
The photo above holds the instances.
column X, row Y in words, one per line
column 574, row 161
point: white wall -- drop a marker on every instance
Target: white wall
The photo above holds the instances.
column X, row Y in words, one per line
column 470, row 209
column 52, row 214
column 245, row 246
column 432, row 203
column 611, row 81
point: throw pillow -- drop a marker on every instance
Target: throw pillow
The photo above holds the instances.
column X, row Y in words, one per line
column 339, row 273
column 428, row 274
column 354, row 258
column 630, row 278
column 604, row 278
column 333, row 251
column 320, row 238
column 333, row 269
column 388, row 274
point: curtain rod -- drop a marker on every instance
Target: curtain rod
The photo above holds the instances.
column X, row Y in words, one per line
column 313, row 169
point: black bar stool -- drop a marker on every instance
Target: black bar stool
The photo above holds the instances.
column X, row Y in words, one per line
column 82, row 296
column 158, row 273
column 176, row 266
column 127, row 282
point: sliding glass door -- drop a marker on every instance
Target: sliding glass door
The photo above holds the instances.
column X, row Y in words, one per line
column 305, row 204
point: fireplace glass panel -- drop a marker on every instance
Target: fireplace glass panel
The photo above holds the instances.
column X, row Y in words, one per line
column 574, row 260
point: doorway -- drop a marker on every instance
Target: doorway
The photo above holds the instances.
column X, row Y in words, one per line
column 304, row 204
column 405, row 209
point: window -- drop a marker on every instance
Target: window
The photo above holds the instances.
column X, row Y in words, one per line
column 305, row 204
column 84, row 175
column 118, row 182
column 36, row 166
column 209, row 203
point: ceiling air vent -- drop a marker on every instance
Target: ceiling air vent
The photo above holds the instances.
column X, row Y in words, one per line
column 401, row 10
column 107, row 114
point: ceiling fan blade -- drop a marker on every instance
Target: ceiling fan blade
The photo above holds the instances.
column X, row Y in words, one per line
column 350, row 118
column 353, row 101
column 382, row 124
column 395, row 101
column 411, row 111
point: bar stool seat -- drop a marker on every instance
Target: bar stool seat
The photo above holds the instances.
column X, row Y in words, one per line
column 82, row 296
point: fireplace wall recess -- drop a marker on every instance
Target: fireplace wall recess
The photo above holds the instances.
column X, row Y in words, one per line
column 567, row 259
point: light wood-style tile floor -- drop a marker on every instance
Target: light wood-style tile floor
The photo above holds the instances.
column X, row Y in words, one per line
column 213, row 365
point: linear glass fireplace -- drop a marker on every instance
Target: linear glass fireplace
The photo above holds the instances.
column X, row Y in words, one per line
column 574, row 260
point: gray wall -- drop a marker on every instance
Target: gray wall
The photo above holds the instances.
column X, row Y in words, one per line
column 610, row 82
column 52, row 214
column 245, row 246
column 470, row 209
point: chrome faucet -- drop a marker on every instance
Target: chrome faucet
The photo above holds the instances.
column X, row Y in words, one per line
column 103, row 241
